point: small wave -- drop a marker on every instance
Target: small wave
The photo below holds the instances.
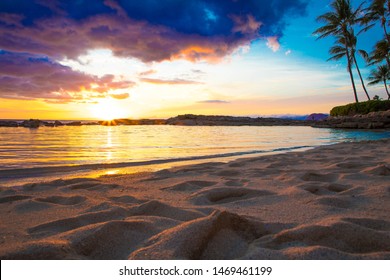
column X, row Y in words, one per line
column 42, row 171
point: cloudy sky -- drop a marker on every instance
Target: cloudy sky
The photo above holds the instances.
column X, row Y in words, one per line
column 104, row 59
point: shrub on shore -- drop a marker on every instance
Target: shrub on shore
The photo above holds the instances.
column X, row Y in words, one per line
column 360, row 108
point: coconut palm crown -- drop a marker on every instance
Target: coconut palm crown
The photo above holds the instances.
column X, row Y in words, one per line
column 379, row 75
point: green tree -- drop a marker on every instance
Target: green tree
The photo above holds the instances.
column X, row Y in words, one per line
column 379, row 75
column 339, row 51
column 380, row 53
column 339, row 23
column 351, row 41
column 377, row 11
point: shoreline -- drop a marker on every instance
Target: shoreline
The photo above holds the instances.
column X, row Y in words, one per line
column 122, row 167
column 330, row 202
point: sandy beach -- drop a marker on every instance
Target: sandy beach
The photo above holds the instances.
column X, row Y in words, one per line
column 332, row 202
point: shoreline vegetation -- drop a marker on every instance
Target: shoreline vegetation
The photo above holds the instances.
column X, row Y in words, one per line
column 324, row 203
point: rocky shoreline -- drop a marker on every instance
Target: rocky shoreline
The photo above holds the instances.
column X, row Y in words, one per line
column 375, row 120
column 35, row 123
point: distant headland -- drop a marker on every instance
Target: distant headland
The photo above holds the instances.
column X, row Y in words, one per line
column 373, row 120
column 185, row 120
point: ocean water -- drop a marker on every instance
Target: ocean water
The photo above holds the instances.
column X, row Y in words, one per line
column 22, row 148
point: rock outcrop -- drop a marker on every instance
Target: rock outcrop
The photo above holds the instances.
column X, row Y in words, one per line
column 9, row 124
column 31, row 123
column 374, row 120
column 316, row 117
column 190, row 120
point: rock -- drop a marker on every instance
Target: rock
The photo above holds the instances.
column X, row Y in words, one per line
column 58, row 123
column 31, row 123
column 316, row 117
column 74, row 124
column 373, row 120
column 9, row 124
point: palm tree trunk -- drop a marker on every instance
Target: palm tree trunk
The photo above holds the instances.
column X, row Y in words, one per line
column 387, row 91
column 360, row 76
column 385, row 31
column 351, row 76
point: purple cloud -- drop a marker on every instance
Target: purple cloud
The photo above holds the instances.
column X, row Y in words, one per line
column 26, row 76
column 148, row 30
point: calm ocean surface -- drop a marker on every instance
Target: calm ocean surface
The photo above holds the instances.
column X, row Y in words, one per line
column 59, row 146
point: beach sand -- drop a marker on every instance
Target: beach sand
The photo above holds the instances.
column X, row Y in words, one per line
column 332, row 202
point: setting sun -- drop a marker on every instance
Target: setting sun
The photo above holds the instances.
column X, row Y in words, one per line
column 108, row 109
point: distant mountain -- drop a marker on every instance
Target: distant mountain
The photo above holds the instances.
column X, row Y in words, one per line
column 281, row 116
column 316, row 117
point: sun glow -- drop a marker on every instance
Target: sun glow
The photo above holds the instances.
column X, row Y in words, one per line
column 108, row 109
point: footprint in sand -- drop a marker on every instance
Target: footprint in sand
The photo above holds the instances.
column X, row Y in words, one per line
column 334, row 202
column 29, row 206
column 374, row 224
column 92, row 186
column 381, row 170
column 237, row 164
column 78, row 221
column 157, row 208
column 237, row 182
column 12, row 198
column 190, row 186
column 229, row 173
column 63, row 200
column 348, row 235
column 111, row 240
column 352, row 165
column 226, row 195
column 126, row 199
column 324, row 189
column 318, row 177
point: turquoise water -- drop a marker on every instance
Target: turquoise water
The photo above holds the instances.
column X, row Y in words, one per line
column 85, row 145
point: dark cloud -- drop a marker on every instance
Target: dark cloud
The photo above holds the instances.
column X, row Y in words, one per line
column 214, row 101
column 26, row 76
column 169, row 82
column 148, row 30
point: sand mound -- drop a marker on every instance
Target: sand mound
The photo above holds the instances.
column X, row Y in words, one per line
column 110, row 240
column 63, row 225
column 221, row 235
column 349, row 235
column 226, row 195
column 41, row 250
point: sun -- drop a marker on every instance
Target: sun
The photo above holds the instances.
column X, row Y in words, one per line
column 108, row 109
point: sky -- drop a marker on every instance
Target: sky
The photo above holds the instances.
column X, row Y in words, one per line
column 106, row 59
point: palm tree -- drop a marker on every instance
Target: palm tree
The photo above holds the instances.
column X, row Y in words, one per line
column 382, row 74
column 379, row 10
column 339, row 23
column 381, row 52
column 342, row 50
column 351, row 41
